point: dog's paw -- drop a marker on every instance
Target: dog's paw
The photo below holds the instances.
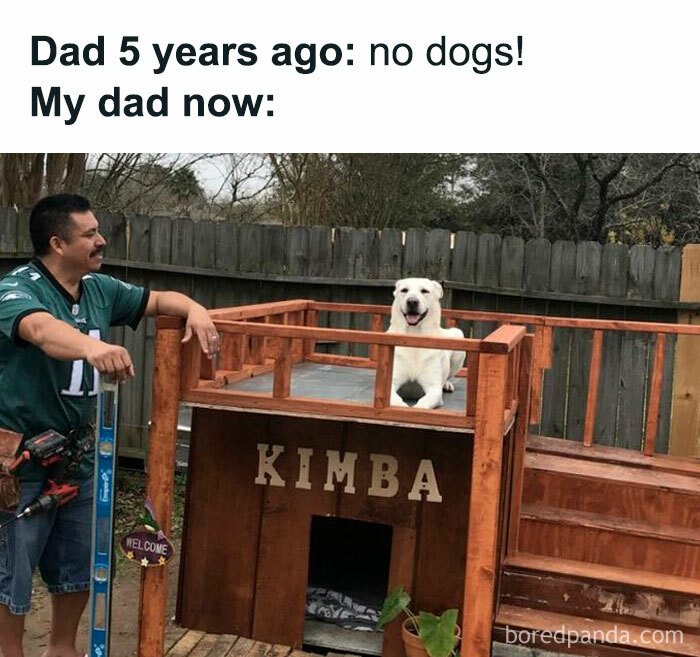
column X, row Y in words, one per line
column 426, row 403
column 448, row 387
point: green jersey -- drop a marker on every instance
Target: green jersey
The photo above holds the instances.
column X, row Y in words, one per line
column 38, row 392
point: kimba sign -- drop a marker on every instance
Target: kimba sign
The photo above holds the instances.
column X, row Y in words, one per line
column 384, row 480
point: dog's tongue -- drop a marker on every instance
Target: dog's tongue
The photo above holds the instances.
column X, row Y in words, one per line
column 413, row 319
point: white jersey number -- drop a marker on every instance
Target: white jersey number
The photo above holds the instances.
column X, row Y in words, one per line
column 76, row 375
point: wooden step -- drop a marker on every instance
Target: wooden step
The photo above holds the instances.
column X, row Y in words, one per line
column 633, row 638
column 609, row 540
column 660, row 462
column 602, row 592
column 598, row 572
column 653, row 479
column 616, row 490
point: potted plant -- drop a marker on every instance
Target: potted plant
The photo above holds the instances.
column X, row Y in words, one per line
column 424, row 634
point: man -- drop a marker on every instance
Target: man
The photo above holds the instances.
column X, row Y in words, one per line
column 55, row 315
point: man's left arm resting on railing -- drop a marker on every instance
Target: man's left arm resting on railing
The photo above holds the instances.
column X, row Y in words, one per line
column 197, row 318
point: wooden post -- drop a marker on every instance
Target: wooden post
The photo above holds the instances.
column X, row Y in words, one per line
column 378, row 327
column 385, row 372
column 232, row 356
column 540, row 359
column 311, row 319
column 520, row 433
column 482, row 540
column 191, row 364
column 159, row 485
column 472, row 378
column 685, row 429
column 593, row 380
column 282, row 381
column 655, row 395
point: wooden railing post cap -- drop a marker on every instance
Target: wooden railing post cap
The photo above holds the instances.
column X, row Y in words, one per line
column 169, row 322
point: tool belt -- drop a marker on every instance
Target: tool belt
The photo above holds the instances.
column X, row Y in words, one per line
column 9, row 488
column 82, row 441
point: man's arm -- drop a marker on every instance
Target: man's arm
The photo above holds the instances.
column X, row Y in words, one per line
column 61, row 341
column 198, row 321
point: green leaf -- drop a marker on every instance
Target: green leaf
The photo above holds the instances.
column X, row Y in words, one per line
column 438, row 634
column 396, row 602
column 148, row 521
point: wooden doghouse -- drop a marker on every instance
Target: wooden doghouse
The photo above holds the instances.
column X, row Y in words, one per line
column 269, row 453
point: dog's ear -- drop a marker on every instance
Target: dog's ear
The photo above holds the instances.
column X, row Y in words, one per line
column 399, row 284
column 438, row 289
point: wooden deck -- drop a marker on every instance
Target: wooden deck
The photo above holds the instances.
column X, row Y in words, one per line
column 193, row 643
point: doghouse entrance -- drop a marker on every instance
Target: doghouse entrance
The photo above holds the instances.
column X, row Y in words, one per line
column 348, row 579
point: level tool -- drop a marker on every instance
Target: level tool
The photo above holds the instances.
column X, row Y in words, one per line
column 103, row 519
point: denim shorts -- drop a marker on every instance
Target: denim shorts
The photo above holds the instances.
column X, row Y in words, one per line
column 58, row 541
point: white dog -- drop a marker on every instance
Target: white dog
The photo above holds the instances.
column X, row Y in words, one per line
column 416, row 310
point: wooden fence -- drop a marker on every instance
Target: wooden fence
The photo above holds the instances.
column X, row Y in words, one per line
column 222, row 264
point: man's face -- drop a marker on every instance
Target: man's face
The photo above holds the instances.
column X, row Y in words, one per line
column 83, row 250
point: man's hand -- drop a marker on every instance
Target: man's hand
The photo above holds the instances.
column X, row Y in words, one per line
column 199, row 323
column 110, row 360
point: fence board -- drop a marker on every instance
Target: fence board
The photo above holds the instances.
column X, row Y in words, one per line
column 588, row 257
column 390, row 254
column 667, row 273
column 160, row 242
column 226, row 250
column 273, row 258
column 512, row 269
column 488, row 267
column 321, row 264
column 113, row 229
column 139, row 244
column 614, row 268
column 131, row 426
column 437, row 260
column 8, row 231
column 635, row 356
column 366, row 266
column 464, row 257
column 634, row 363
column 641, row 272
column 537, row 264
column 344, row 254
column 24, row 241
column 249, row 247
column 414, row 253
column 204, row 252
column 297, row 250
column 560, row 275
column 512, row 273
column 182, row 245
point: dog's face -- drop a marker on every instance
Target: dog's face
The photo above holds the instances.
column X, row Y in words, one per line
column 417, row 299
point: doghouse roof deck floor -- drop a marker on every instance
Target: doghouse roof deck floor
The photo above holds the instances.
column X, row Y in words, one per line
column 337, row 382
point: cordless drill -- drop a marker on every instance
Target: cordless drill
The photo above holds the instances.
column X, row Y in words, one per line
column 52, row 450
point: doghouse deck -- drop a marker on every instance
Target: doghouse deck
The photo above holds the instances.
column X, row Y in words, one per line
column 339, row 383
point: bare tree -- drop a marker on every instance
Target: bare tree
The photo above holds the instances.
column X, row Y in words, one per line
column 25, row 177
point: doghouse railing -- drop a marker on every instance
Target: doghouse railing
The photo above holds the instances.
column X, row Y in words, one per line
column 543, row 329
column 273, row 337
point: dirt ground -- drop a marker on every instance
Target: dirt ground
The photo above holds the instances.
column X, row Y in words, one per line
column 125, row 596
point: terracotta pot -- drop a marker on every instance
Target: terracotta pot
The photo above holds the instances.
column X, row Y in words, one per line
column 413, row 645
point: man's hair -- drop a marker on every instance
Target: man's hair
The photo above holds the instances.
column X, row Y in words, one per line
column 51, row 216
